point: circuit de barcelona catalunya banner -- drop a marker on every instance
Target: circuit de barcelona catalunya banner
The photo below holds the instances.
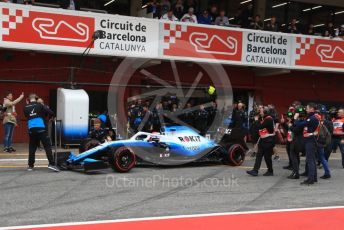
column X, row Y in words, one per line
column 37, row 28
column 266, row 49
column 57, row 30
column 203, row 43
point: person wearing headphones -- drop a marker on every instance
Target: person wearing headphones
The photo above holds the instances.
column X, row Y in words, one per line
column 266, row 142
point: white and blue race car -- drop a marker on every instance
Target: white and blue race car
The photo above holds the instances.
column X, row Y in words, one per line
column 175, row 145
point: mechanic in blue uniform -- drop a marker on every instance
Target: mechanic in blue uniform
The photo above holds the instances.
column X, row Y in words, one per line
column 137, row 115
column 266, row 142
column 35, row 112
column 310, row 127
column 104, row 119
column 106, row 124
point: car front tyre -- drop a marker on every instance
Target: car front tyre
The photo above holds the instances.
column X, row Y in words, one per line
column 122, row 159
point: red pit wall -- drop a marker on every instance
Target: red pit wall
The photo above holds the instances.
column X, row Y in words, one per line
column 280, row 90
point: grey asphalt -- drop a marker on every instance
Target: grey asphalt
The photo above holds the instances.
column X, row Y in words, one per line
column 43, row 197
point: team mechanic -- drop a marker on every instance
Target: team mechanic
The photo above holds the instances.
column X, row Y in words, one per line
column 35, row 112
column 266, row 142
column 310, row 132
column 296, row 146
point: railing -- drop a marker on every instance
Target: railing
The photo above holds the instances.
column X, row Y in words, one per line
column 55, row 131
column 93, row 10
column 46, row 4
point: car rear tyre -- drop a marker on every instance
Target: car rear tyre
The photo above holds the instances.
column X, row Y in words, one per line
column 236, row 155
column 88, row 144
column 122, row 159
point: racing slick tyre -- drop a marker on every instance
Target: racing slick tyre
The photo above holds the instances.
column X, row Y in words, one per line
column 236, row 155
column 88, row 144
column 122, row 160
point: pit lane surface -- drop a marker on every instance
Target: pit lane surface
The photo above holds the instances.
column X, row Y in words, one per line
column 43, row 197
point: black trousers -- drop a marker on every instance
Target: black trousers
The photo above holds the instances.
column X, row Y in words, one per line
column 238, row 137
column 311, row 152
column 265, row 149
column 39, row 135
column 288, row 148
column 295, row 157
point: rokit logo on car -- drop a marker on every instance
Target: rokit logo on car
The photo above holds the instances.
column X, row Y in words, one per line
column 190, row 139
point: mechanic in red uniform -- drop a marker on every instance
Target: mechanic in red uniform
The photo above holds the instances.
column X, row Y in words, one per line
column 338, row 132
column 266, row 142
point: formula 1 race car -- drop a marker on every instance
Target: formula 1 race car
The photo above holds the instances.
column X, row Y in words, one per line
column 175, row 145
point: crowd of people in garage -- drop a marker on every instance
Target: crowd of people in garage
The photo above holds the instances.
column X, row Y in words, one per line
column 198, row 116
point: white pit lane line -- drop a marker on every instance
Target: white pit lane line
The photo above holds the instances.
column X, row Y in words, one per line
column 14, row 160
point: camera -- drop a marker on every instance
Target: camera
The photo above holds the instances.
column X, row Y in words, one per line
column 290, row 114
column 2, row 109
column 301, row 110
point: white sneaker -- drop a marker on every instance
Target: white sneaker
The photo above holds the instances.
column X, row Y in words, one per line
column 53, row 168
column 30, row 169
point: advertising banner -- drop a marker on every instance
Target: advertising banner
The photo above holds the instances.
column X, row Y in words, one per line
column 266, row 49
column 317, row 52
column 201, row 42
column 57, row 30
column 36, row 28
column 136, row 37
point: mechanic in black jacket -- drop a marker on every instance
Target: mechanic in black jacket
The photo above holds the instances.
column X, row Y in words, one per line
column 35, row 113
column 238, row 117
column 266, row 142
column 297, row 146
column 238, row 132
column 98, row 132
column 285, row 122
column 202, row 116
